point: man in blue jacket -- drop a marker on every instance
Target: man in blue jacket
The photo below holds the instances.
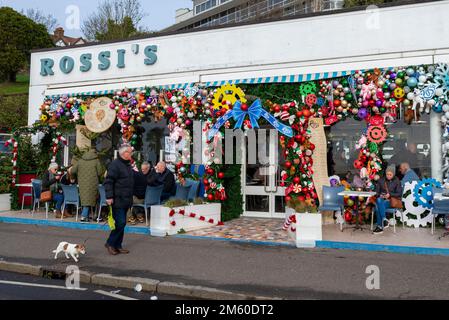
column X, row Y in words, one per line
column 118, row 185
column 408, row 173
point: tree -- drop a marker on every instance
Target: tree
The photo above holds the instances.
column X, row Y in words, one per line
column 38, row 16
column 115, row 31
column 115, row 15
column 13, row 112
column 19, row 35
column 358, row 3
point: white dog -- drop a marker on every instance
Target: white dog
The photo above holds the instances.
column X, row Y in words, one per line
column 69, row 248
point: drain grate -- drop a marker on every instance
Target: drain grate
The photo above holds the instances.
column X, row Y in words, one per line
column 53, row 274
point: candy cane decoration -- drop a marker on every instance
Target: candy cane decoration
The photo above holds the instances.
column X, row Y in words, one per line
column 288, row 221
column 56, row 141
column 14, row 159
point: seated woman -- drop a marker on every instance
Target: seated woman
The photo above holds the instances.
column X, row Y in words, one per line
column 386, row 188
column 50, row 181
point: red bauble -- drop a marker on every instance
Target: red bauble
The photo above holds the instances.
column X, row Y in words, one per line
column 305, row 189
column 221, row 175
column 288, row 164
column 337, row 103
column 296, row 180
column 244, row 107
column 306, row 113
column 210, row 197
column 348, row 216
column 312, row 146
column 298, row 137
column 292, row 104
column 299, row 114
column 371, row 103
column 288, row 198
column 286, row 107
column 217, row 195
column 301, row 198
column 206, row 181
column 210, row 171
column 277, row 108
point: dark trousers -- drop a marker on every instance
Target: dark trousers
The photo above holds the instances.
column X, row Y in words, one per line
column 116, row 237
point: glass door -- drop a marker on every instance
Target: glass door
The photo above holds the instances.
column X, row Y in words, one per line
column 262, row 193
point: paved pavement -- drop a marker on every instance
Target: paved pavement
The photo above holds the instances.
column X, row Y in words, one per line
column 269, row 271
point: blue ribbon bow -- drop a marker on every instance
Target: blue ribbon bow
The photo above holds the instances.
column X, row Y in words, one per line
column 253, row 112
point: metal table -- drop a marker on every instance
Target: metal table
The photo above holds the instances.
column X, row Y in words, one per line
column 356, row 194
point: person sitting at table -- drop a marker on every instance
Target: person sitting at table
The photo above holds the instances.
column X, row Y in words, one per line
column 51, row 181
column 161, row 175
column 386, row 188
column 408, row 174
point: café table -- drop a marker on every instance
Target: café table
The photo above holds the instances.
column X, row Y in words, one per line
column 356, row 194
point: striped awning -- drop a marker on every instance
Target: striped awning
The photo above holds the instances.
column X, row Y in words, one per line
column 274, row 79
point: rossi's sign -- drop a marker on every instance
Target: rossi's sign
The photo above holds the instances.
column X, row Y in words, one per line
column 102, row 61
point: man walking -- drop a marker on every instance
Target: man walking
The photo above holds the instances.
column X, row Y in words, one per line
column 119, row 194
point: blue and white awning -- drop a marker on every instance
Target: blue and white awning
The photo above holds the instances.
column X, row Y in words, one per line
column 274, row 79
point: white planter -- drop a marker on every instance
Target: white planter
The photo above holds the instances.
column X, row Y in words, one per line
column 308, row 229
column 161, row 221
column 5, row 201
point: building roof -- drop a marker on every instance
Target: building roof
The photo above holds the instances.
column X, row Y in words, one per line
column 68, row 41
column 200, row 29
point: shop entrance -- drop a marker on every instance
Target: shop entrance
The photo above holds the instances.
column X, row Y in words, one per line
column 263, row 195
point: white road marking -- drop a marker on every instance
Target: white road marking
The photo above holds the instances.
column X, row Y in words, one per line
column 39, row 285
column 114, row 295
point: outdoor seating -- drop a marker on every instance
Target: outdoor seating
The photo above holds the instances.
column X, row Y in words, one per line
column 71, row 196
column 101, row 201
column 26, row 195
column 439, row 207
column 392, row 211
column 332, row 201
column 37, row 190
column 193, row 193
column 152, row 197
column 182, row 192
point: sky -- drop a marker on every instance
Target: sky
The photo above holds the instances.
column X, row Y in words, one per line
column 161, row 14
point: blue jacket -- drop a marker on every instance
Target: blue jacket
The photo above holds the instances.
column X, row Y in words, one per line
column 409, row 176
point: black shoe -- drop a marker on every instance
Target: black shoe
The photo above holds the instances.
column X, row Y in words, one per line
column 386, row 223
column 378, row 230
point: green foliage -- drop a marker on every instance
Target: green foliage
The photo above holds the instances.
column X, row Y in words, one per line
column 232, row 207
column 19, row 35
column 301, row 206
column 181, row 231
column 5, row 173
column 173, row 203
column 28, row 153
column 115, row 30
column 21, row 85
column 13, row 111
column 279, row 93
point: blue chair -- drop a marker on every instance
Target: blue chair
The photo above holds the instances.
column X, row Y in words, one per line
column 200, row 172
column 182, row 192
column 71, row 196
column 193, row 193
column 439, row 207
column 332, row 201
column 102, row 201
column 27, row 195
column 37, row 190
column 152, row 197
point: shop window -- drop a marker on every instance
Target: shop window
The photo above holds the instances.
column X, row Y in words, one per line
column 410, row 143
column 406, row 143
column 3, row 138
column 154, row 140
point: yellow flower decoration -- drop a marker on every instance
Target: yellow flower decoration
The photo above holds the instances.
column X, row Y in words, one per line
column 44, row 118
column 228, row 92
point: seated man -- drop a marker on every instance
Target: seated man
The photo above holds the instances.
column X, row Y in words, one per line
column 408, row 174
column 140, row 187
column 160, row 175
